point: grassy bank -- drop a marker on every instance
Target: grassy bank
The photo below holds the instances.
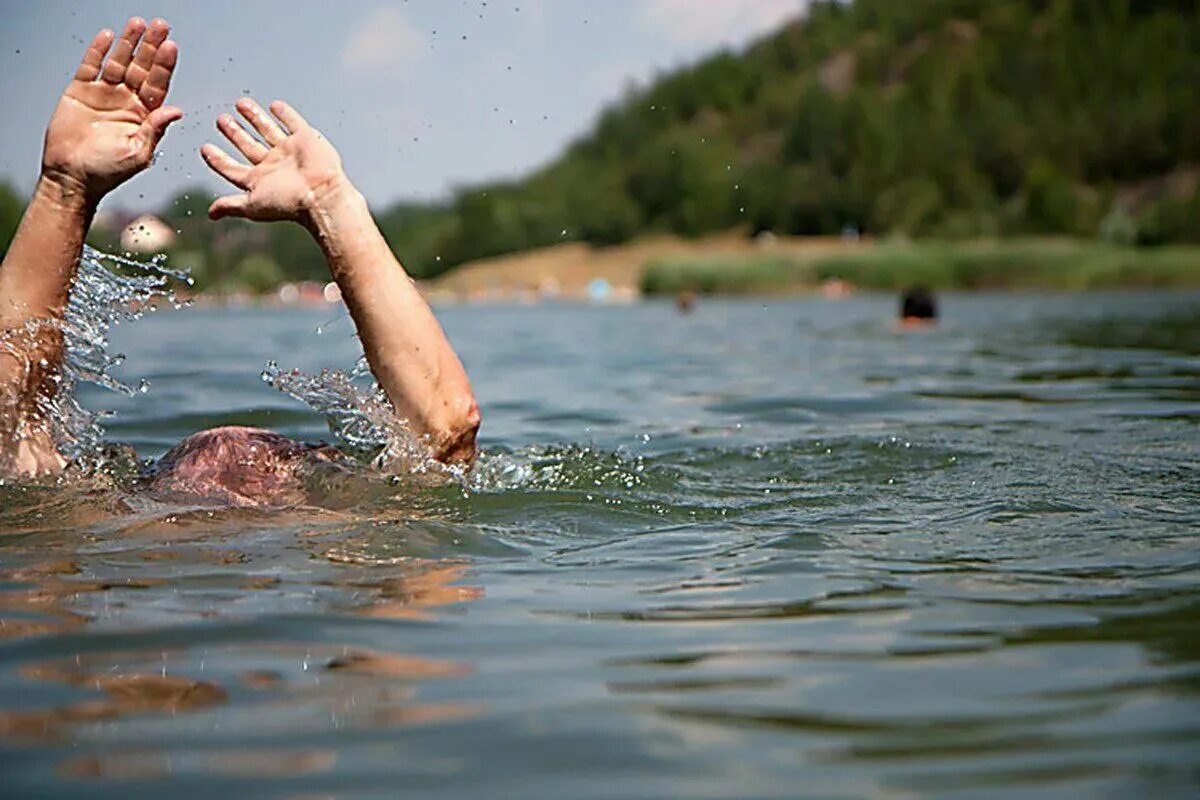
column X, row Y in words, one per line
column 1013, row 264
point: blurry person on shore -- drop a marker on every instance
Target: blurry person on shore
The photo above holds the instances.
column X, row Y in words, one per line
column 836, row 289
column 685, row 301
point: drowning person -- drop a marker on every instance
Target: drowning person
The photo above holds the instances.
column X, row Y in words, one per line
column 104, row 131
column 918, row 308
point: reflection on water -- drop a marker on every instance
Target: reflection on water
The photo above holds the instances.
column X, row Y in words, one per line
column 182, row 569
column 760, row 547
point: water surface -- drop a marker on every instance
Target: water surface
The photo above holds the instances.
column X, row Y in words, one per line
column 769, row 549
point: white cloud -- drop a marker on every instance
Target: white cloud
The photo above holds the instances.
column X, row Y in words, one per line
column 385, row 40
column 707, row 23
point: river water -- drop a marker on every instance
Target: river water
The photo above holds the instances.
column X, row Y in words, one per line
column 768, row 549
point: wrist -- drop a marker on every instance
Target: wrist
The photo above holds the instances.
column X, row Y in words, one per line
column 333, row 198
column 66, row 192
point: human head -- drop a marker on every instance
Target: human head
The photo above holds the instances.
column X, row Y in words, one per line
column 918, row 305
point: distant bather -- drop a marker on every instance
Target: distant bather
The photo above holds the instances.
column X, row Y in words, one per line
column 918, row 307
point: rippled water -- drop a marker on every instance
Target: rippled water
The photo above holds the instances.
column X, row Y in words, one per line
column 765, row 550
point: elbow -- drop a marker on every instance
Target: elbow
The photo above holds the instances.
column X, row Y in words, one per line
column 458, row 445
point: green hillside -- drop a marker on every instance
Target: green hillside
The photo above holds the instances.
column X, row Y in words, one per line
column 932, row 118
column 935, row 119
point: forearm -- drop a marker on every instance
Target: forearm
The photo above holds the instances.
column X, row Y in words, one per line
column 35, row 281
column 404, row 344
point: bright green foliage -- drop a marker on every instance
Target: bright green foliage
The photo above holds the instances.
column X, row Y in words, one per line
column 946, row 119
column 729, row 275
column 11, row 209
column 1061, row 264
column 931, row 118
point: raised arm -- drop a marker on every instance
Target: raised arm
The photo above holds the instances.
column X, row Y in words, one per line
column 103, row 132
column 295, row 174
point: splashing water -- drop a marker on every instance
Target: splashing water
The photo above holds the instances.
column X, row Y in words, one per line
column 361, row 418
column 108, row 290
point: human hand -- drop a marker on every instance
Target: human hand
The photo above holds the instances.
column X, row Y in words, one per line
column 111, row 116
column 288, row 177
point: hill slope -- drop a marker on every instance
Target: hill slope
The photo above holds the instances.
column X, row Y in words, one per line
column 949, row 118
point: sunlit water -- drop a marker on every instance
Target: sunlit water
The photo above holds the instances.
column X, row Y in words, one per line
column 763, row 550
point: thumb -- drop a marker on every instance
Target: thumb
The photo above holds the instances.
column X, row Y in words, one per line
column 158, row 120
column 231, row 205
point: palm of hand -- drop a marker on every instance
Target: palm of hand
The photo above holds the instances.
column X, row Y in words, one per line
column 291, row 166
column 98, row 134
column 282, row 183
column 112, row 116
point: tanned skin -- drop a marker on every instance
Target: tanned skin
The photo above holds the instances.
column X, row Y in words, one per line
column 105, row 130
column 295, row 174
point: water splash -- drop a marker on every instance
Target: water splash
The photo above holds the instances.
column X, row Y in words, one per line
column 361, row 418
column 108, row 289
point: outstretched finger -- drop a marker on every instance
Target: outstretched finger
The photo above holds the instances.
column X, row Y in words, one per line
column 267, row 128
column 232, row 205
column 226, row 166
column 122, row 54
column 290, row 118
column 246, row 144
column 158, row 82
column 143, row 60
column 89, row 67
column 159, row 119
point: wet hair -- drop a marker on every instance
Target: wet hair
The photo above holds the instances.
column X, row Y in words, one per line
column 236, row 466
column 918, row 303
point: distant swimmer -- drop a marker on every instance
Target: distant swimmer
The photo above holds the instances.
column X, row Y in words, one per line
column 104, row 131
column 918, row 308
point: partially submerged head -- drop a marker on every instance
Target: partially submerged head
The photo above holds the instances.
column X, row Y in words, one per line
column 237, row 466
column 918, row 307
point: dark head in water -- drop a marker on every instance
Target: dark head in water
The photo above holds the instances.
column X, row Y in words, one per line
column 918, row 307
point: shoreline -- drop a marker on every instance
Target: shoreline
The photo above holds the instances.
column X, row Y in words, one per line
column 766, row 266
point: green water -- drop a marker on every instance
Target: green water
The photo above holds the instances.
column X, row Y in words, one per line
column 765, row 550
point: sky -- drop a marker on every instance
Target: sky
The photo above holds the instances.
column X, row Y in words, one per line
column 419, row 96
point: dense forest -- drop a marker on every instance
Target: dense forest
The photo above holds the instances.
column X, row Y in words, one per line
column 945, row 119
